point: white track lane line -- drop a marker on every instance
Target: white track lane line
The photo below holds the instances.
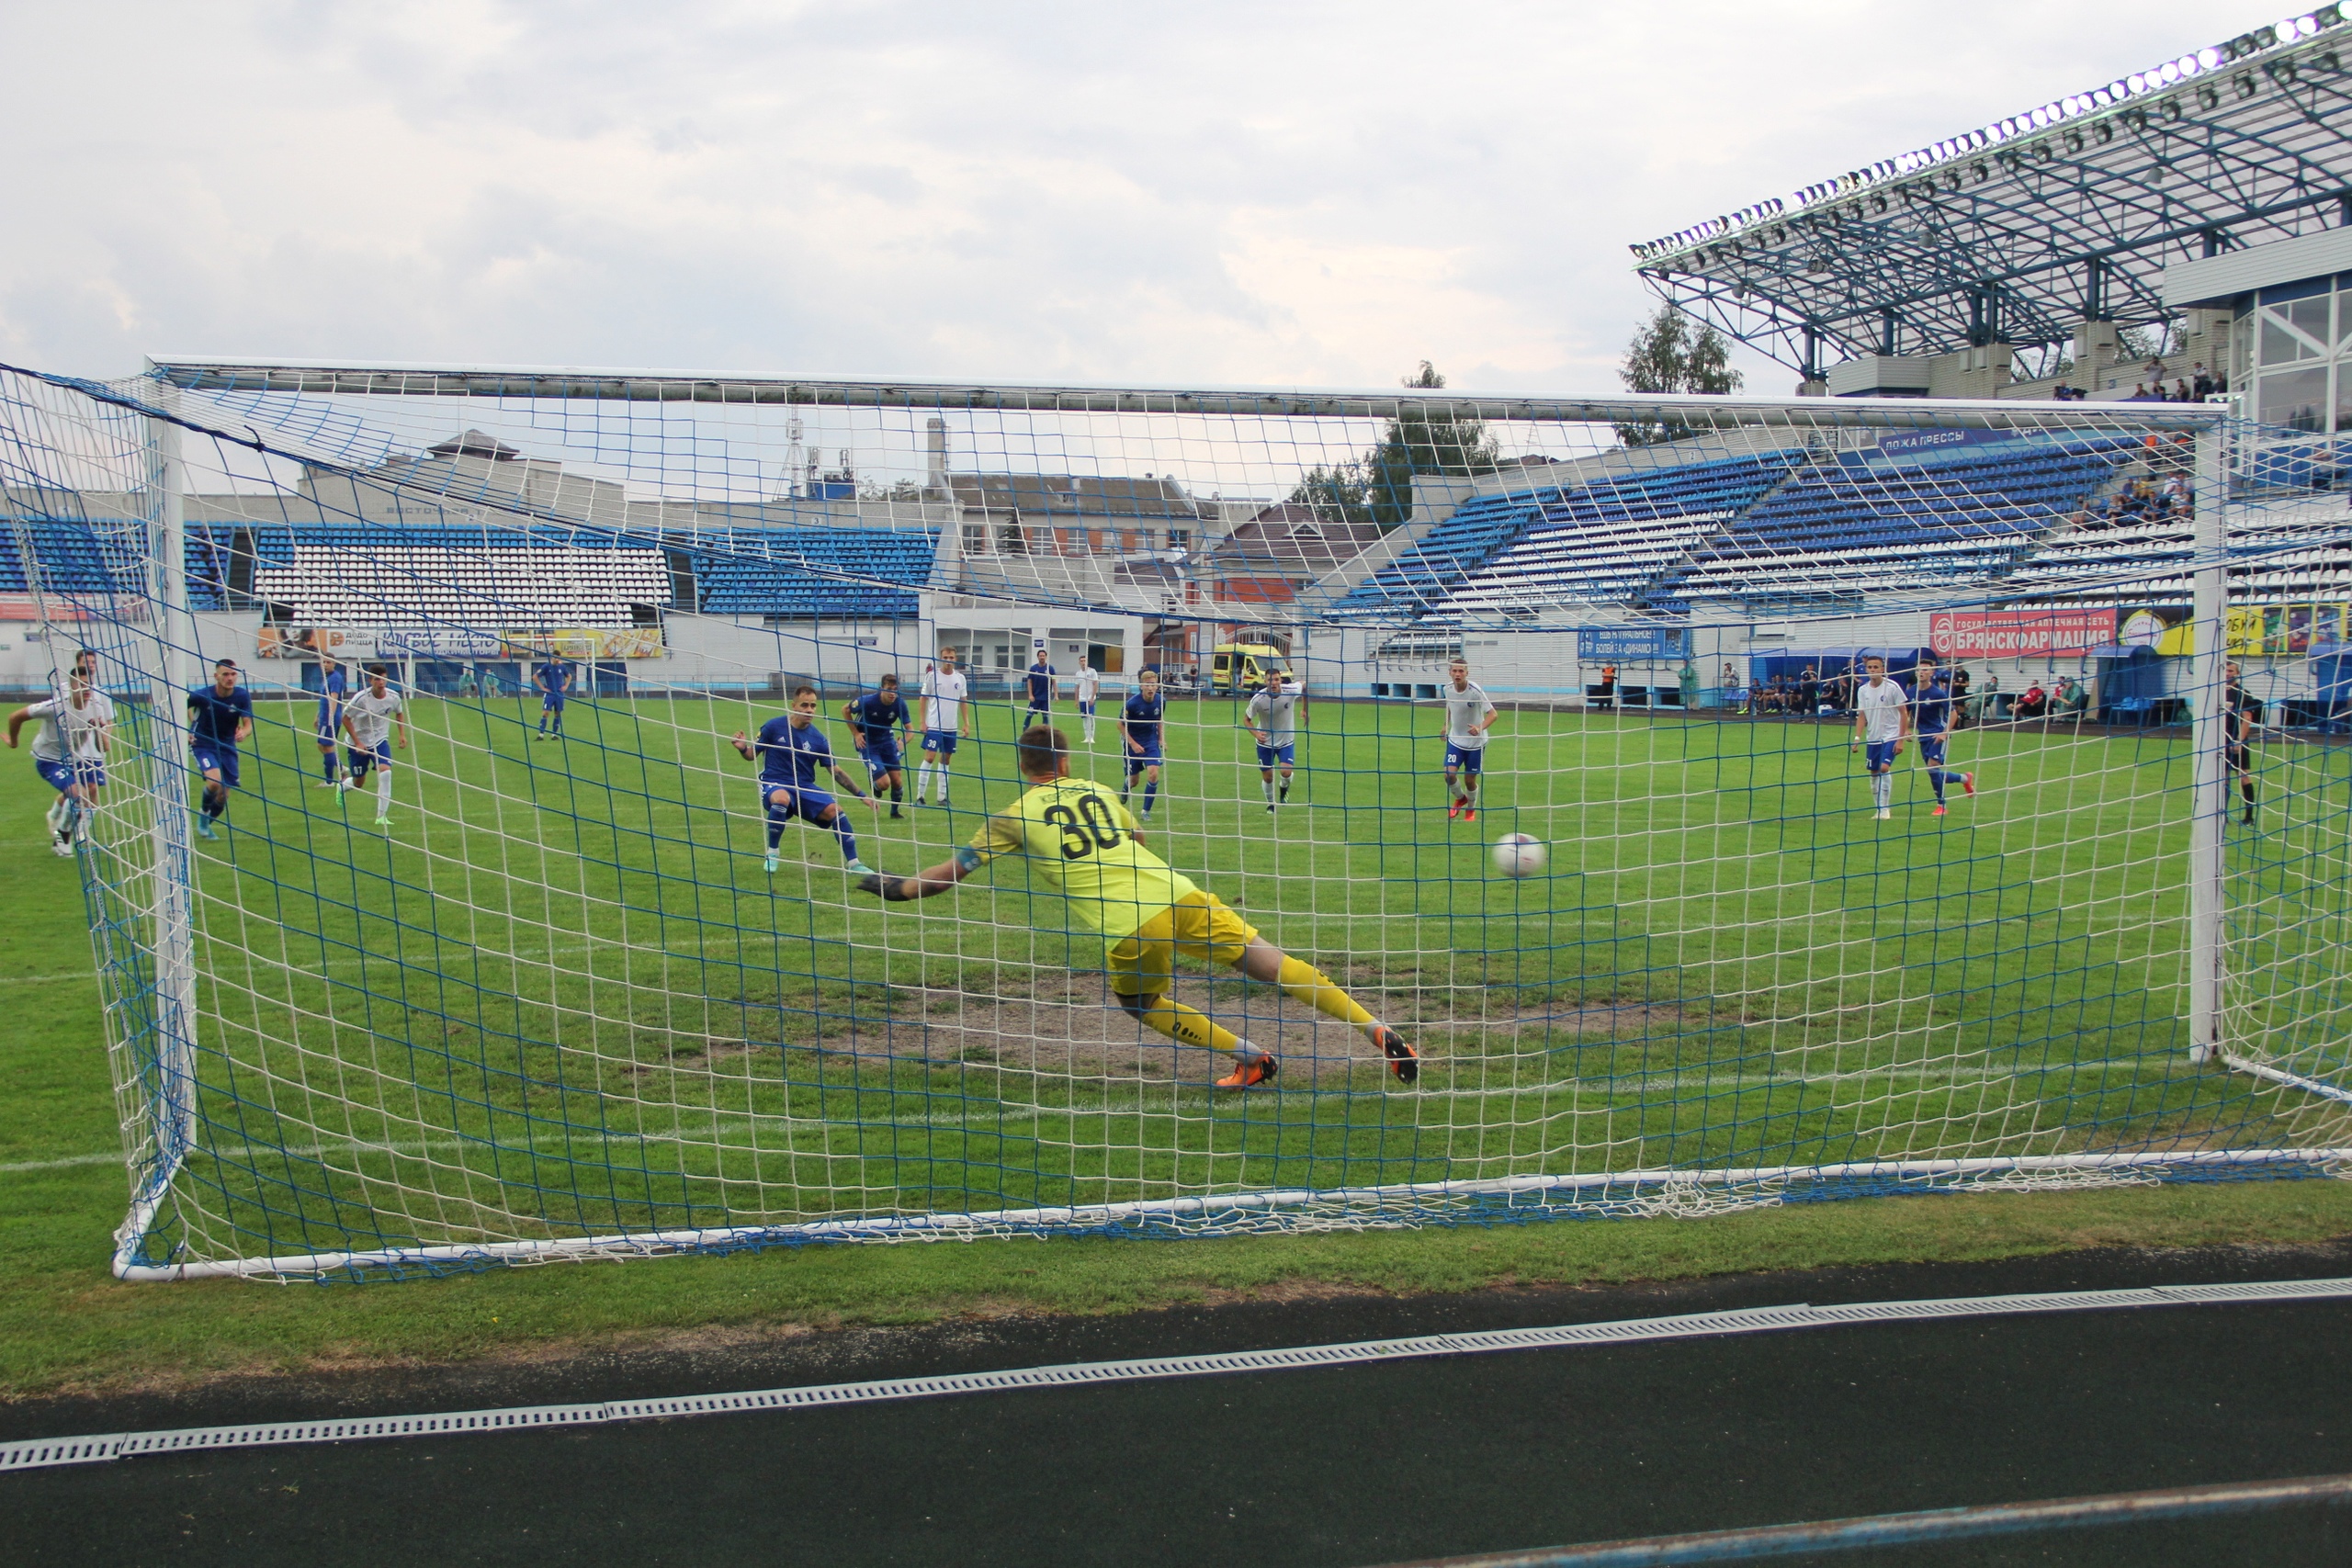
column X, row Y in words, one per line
column 95, row 1449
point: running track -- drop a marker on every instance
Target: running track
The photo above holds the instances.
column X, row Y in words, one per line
column 1341, row 1466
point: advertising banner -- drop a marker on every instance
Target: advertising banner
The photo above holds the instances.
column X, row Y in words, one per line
column 457, row 643
column 1632, row 645
column 1937, row 440
column 2285, row 631
column 2018, row 634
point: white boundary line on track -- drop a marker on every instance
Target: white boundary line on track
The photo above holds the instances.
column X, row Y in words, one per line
column 45, row 1452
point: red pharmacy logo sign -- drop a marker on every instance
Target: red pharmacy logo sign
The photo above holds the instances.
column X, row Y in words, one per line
column 2018, row 634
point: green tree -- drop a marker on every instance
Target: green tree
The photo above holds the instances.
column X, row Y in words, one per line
column 1421, row 440
column 1671, row 354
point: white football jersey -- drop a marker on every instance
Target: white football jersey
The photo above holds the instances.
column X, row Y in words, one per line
column 70, row 731
column 942, row 693
column 1089, row 682
column 1882, row 710
column 1276, row 713
column 1463, row 709
column 371, row 716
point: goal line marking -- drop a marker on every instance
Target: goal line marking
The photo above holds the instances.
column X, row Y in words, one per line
column 97, row 1448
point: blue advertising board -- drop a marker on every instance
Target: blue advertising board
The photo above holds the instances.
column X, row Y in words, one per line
column 1938, row 440
column 1632, row 645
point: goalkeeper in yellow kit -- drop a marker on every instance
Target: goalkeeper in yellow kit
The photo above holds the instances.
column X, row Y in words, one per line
column 1086, row 845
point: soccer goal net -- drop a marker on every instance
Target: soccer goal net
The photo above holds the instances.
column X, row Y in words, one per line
column 552, row 814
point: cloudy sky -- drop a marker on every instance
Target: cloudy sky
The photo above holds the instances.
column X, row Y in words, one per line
column 1241, row 191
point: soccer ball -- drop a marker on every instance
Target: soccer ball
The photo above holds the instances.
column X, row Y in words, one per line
column 1518, row 854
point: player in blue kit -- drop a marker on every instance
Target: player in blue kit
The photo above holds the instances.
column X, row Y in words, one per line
column 334, row 686
column 1931, row 722
column 1041, row 691
column 789, row 750
column 876, row 722
column 1139, row 723
column 220, row 716
column 553, row 678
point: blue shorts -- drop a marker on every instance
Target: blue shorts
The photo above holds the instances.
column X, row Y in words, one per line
column 363, row 757
column 1150, row 759
column 327, row 732
column 551, row 702
column 1468, row 759
column 211, row 755
column 1086, row 710
column 60, row 775
column 942, row 742
column 809, row 804
column 1878, row 754
column 882, row 755
column 1932, row 750
column 1286, row 753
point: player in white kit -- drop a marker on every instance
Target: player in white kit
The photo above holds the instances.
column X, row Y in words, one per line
column 1089, row 687
column 1881, row 724
column 369, row 719
column 70, row 754
column 1272, row 719
column 943, row 690
column 1469, row 718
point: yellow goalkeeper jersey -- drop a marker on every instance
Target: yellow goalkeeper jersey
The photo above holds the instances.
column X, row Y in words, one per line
column 1081, row 839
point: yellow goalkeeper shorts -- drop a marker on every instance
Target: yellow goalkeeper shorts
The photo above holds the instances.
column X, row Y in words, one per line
column 1143, row 963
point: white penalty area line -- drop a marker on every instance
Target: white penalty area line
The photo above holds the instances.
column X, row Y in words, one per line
column 100, row 1448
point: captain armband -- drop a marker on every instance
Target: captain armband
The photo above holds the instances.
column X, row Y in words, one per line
column 967, row 860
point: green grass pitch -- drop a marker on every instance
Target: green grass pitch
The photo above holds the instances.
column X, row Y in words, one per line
column 558, row 996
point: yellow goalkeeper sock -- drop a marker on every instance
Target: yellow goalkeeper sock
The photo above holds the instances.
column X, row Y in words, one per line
column 1188, row 1025
column 1307, row 984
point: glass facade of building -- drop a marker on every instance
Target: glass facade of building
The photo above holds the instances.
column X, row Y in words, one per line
column 2292, row 349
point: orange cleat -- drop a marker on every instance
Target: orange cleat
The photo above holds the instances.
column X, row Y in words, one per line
column 1453, row 811
column 1403, row 1060
column 1469, row 814
column 1968, row 783
column 1939, row 811
column 1260, row 1068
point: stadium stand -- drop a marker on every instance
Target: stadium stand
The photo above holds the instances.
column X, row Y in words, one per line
column 1487, row 527
column 1614, row 539
column 809, row 571
column 1864, row 521
column 417, row 570
column 1777, row 527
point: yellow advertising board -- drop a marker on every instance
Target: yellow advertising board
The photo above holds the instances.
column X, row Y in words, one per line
column 2284, row 631
column 590, row 642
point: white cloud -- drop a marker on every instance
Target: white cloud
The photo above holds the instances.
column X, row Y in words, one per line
column 1219, row 191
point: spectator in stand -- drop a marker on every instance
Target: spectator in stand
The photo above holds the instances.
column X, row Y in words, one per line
column 2035, row 703
column 2200, row 386
column 1686, row 681
column 2073, row 698
column 1986, row 703
column 2139, row 392
column 1731, row 687
column 1958, row 682
column 2180, row 392
column 1756, row 696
